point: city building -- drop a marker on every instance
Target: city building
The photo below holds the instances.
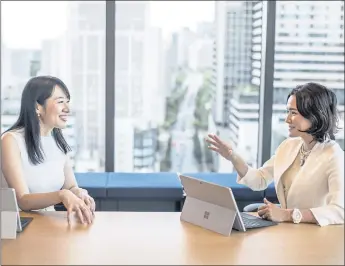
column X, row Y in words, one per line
column 86, row 59
column 232, row 54
column 200, row 54
column 139, row 79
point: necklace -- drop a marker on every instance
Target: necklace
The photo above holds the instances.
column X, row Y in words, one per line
column 304, row 155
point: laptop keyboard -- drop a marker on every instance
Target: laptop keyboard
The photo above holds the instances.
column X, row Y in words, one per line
column 25, row 221
column 251, row 221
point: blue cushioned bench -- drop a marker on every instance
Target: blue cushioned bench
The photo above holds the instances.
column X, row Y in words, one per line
column 157, row 191
column 270, row 193
column 95, row 184
column 143, row 192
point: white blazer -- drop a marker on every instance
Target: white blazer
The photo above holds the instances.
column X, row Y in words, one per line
column 319, row 185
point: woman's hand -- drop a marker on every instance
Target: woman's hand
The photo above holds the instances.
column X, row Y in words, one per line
column 84, row 195
column 272, row 212
column 74, row 204
column 219, row 146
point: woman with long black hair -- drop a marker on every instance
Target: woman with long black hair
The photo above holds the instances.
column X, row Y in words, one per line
column 34, row 152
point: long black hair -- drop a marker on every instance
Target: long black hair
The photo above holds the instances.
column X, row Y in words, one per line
column 37, row 91
column 318, row 104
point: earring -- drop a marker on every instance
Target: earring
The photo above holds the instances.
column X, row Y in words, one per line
column 38, row 115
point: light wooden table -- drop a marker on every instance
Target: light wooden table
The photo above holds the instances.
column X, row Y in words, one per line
column 161, row 238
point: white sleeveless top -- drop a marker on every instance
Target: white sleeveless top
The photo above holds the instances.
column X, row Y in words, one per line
column 47, row 176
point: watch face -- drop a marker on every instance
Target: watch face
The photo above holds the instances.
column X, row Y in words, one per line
column 297, row 216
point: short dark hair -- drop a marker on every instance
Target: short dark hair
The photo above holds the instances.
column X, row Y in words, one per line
column 318, row 104
column 38, row 90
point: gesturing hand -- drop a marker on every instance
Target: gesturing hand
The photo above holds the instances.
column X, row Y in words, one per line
column 74, row 204
column 219, row 146
column 84, row 195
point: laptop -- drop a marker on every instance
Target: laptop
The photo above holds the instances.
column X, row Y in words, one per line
column 9, row 204
column 213, row 207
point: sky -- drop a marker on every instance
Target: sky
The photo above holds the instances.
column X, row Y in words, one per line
column 24, row 24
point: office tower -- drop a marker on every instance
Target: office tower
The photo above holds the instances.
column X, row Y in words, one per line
column 200, row 54
column 86, row 46
column 139, row 97
column 185, row 37
column 233, row 23
column 136, row 81
column 55, row 59
column 21, row 65
column 153, row 108
column 232, row 67
column 309, row 46
column 205, row 29
column 200, row 51
column 5, row 69
column 171, row 65
column 153, row 89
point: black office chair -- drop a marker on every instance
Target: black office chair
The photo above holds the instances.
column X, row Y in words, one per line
column 59, row 207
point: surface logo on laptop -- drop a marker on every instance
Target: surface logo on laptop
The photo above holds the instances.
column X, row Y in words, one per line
column 206, row 215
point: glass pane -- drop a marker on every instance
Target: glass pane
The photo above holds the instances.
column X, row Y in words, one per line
column 70, row 47
column 178, row 79
column 309, row 48
column 237, row 74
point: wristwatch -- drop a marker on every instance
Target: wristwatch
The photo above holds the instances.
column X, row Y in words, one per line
column 296, row 216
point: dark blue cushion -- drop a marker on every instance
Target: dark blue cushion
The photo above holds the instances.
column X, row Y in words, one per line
column 94, row 183
column 270, row 191
column 240, row 192
column 148, row 186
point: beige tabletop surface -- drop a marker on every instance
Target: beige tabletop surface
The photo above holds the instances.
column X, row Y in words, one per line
column 161, row 238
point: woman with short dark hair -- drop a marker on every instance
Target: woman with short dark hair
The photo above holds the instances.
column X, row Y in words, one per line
column 307, row 168
column 34, row 152
column 318, row 105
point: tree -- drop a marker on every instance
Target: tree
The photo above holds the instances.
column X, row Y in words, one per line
column 209, row 158
column 165, row 164
column 197, row 149
column 203, row 99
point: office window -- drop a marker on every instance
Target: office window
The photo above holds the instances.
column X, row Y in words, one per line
column 63, row 39
column 309, row 61
column 164, row 58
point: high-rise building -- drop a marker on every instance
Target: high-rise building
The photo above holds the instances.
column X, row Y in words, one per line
column 200, row 54
column 309, row 46
column 19, row 65
column 205, row 29
column 153, row 90
column 232, row 70
column 55, row 60
column 86, row 50
column 185, row 37
column 139, row 96
column 171, row 65
column 233, row 44
column 5, row 69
